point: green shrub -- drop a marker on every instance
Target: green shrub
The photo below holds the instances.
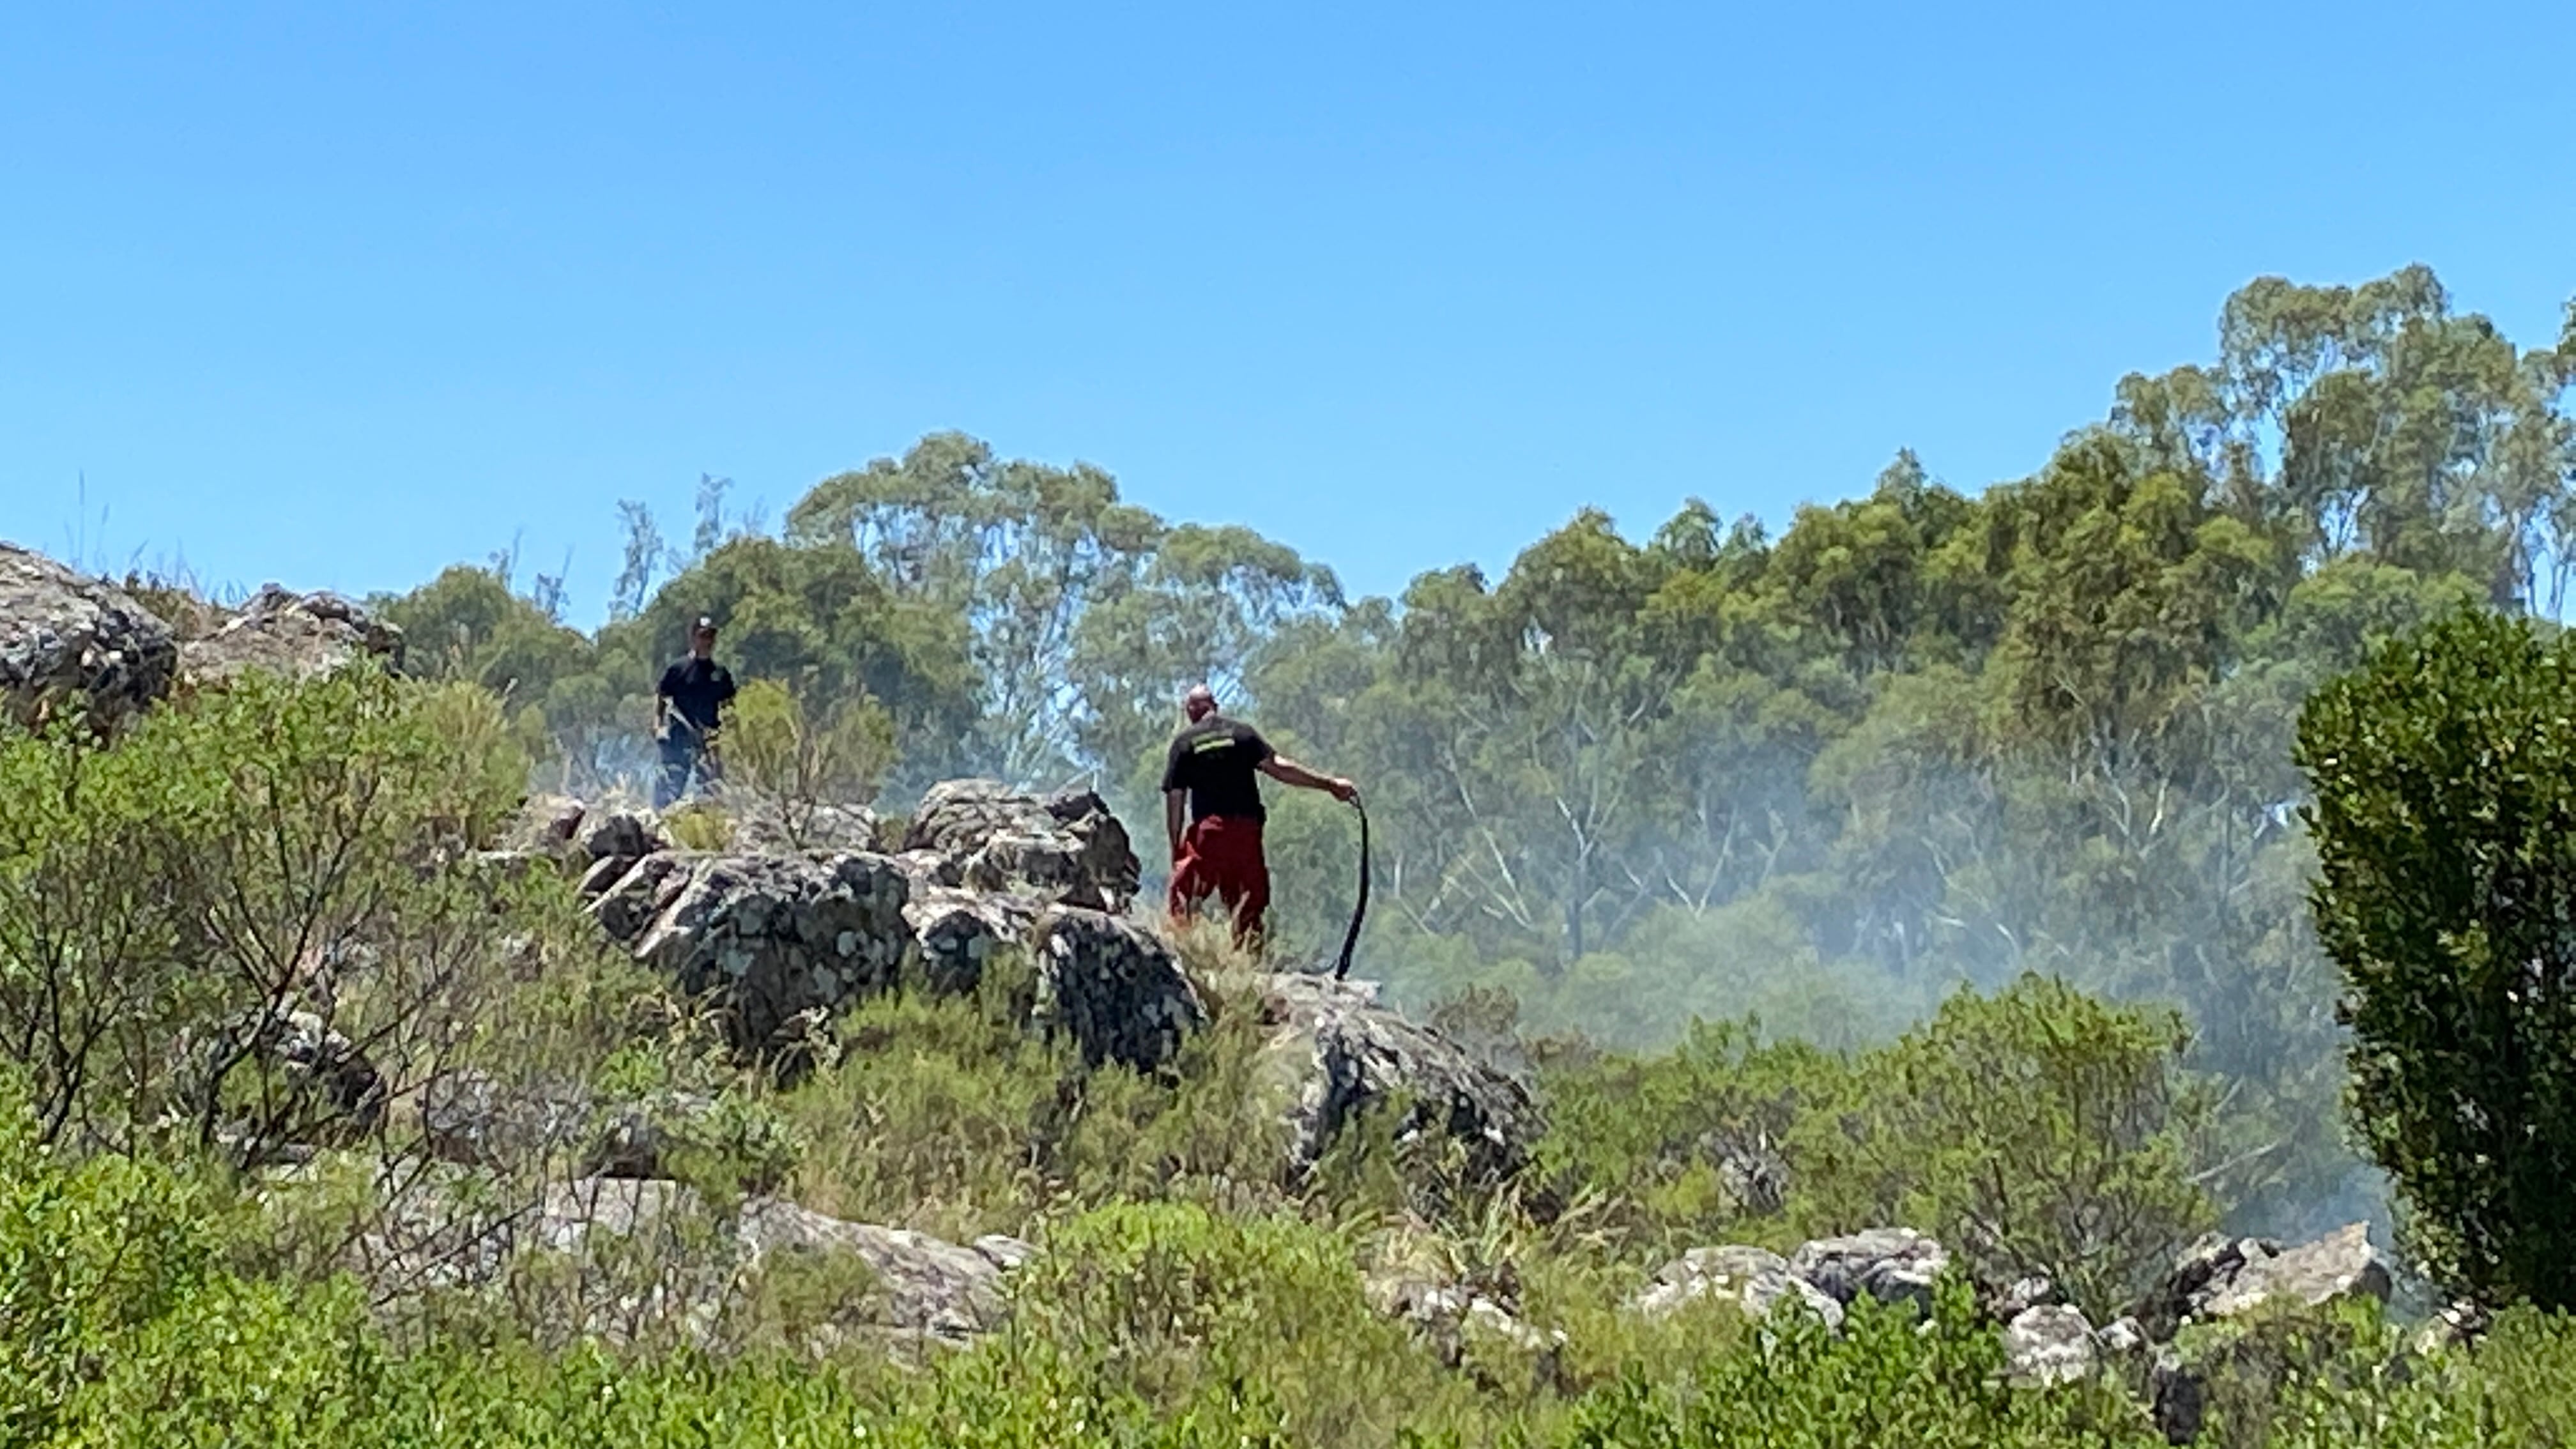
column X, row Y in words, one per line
column 2445, row 821
column 803, row 760
column 699, row 824
column 1882, row 1382
column 254, row 850
column 1171, row 1302
column 2037, row 1131
column 1678, row 1140
column 946, row 1114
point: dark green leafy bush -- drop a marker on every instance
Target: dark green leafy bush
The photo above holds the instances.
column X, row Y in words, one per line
column 2445, row 821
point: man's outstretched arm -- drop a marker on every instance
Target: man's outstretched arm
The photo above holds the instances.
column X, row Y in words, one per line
column 1288, row 772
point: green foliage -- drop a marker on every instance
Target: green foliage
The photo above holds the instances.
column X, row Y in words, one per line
column 1993, row 764
column 819, row 620
column 120, row 1325
column 698, row 824
column 1172, row 1302
column 947, row 1115
column 1921, row 738
column 2035, row 1132
column 2445, row 820
column 773, row 746
column 1680, row 1139
column 1085, row 615
column 2038, row 1131
column 1141, row 1325
column 258, row 849
column 1881, row 1382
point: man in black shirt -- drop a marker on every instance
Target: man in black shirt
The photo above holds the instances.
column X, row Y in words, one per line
column 685, row 714
column 1210, row 777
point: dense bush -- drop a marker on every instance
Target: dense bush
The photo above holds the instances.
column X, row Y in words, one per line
column 120, row 1324
column 2445, row 820
column 170, row 903
column 2036, row 1131
column 1882, row 1381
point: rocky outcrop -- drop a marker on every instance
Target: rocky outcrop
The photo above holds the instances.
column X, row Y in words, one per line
column 2049, row 1344
column 1117, row 991
column 923, row 1286
column 1456, row 1318
column 295, row 636
column 66, row 639
column 1886, row 1265
column 778, row 941
column 1754, row 1280
column 1064, row 849
column 781, row 940
column 955, row 934
column 1347, row 1055
column 2178, row 1375
column 476, row 1120
column 2213, row 1291
column 773, row 941
column 548, row 823
column 624, row 897
column 456, row 1233
column 1892, row 1265
column 2226, row 1277
column 619, row 835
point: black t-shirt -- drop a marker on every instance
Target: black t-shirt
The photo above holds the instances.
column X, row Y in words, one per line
column 1215, row 761
column 696, row 688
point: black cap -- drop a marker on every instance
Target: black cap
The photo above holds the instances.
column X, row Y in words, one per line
column 706, row 623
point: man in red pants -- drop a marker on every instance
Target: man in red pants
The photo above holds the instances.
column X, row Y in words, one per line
column 1211, row 777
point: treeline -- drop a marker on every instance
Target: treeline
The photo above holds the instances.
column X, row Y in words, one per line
column 1920, row 738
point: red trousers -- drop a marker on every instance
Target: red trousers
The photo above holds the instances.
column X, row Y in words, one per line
column 1221, row 857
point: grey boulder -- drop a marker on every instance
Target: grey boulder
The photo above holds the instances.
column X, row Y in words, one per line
column 1062, row 849
column 955, row 934
column 1753, row 1279
column 1346, row 1055
column 2222, row 1277
column 772, row 941
column 2049, row 1344
column 293, row 636
column 667, row 1261
column 69, row 639
column 1116, row 990
column 1891, row 1265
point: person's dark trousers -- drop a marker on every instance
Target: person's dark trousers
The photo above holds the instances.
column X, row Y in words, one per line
column 683, row 760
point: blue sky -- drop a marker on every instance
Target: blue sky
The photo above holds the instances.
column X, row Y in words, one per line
column 336, row 295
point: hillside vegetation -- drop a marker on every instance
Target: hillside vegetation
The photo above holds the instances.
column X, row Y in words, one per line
column 1873, row 985
column 1922, row 738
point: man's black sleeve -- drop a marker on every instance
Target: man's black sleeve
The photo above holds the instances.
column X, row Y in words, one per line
column 1172, row 768
column 724, row 686
column 1251, row 739
column 670, row 684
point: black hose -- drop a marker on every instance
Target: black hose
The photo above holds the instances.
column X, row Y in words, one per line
column 1359, row 910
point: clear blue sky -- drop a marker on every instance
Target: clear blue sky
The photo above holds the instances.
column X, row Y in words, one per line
column 338, row 294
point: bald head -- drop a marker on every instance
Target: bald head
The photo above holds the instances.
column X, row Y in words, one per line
column 1199, row 703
